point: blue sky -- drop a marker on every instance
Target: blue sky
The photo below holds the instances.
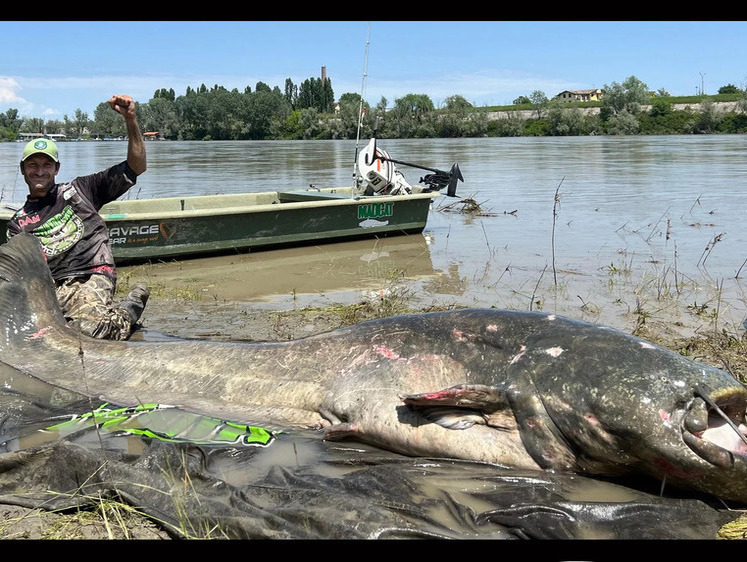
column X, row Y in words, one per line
column 51, row 68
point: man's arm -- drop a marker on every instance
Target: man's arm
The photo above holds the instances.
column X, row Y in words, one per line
column 125, row 106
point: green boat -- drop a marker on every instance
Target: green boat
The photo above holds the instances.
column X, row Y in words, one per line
column 185, row 227
column 381, row 203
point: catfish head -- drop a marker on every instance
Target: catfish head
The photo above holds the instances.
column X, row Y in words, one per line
column 594, row 400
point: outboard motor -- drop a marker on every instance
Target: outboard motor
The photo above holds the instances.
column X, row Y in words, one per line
column 380, row 173
column 381, row 176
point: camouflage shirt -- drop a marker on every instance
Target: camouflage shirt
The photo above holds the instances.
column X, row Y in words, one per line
column 73, row 235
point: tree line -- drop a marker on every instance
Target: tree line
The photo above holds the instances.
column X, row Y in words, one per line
column 309, row 111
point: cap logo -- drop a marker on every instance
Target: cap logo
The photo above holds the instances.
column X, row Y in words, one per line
column 40, row 145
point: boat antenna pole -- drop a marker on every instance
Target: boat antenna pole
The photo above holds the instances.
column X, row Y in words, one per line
column 356, row 175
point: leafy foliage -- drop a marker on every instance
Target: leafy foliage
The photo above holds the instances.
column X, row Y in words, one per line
column 309, row 111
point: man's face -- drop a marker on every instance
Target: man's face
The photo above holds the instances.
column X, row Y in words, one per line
column 39, row 171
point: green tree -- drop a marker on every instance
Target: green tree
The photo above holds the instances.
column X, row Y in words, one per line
column 54, row 126
column 311, row 124
column 227, row 117
column 627, row 97
column 536, row 127
column 623, row 123
column 165, row 94
column 457, row 103
column 345, row 122
column 729, row 89
column 565, row 121
column 267, row 111
column 662, row 119
column 734, row 123
column 509, row 126
column 192, row 109
column 160, row 114
column 262, row 87
column 742, row 103
column 460, row 119
column 412, row 116
column 314, row 93
column 352, row 98
column 107, row 123
column 708, row 120
column 10, row 120
column 660, row 108
column 655, row 121
column 33, row 125
column 291, row 128
column 539, row 102
column 77, row 126
column 291, row 93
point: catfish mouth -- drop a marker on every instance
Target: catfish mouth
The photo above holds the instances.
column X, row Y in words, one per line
column 716, row 429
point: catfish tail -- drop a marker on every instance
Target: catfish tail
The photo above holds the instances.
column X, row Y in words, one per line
column 28, row 303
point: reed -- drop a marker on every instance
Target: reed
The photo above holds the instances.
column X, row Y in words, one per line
column 555, row 207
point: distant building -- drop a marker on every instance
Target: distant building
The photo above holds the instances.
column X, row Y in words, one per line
column 51, row 136
column 594, row 94
column 153, row 135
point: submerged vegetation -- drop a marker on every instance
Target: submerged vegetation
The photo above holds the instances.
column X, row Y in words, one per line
column 309, row 111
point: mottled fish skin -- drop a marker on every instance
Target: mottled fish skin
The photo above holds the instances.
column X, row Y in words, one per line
column 519, row 389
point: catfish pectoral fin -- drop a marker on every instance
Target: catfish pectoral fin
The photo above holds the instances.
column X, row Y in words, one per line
column 477, row 396
column 341, row 431
column 328, row 418
column 460, row 407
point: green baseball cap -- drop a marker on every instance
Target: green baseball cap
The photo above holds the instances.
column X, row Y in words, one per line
column 40, row 146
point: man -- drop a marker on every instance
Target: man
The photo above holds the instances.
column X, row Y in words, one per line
column 74, row 237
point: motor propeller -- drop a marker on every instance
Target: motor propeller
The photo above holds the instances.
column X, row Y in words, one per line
column 438, row 179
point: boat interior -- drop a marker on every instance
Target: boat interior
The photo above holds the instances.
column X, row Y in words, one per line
column 222, row 202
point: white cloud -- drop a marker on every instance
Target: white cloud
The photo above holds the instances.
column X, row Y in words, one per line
column 9, row 90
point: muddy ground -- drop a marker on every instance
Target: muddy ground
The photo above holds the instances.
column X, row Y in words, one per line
column 186, row 313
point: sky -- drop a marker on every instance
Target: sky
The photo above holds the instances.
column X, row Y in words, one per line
column 50, row 69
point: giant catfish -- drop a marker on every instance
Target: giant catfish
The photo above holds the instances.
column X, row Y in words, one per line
column 518, row 389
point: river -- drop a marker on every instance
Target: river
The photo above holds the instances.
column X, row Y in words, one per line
column 604, row 228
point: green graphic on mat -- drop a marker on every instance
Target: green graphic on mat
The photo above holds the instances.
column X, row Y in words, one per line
column 168, row 423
